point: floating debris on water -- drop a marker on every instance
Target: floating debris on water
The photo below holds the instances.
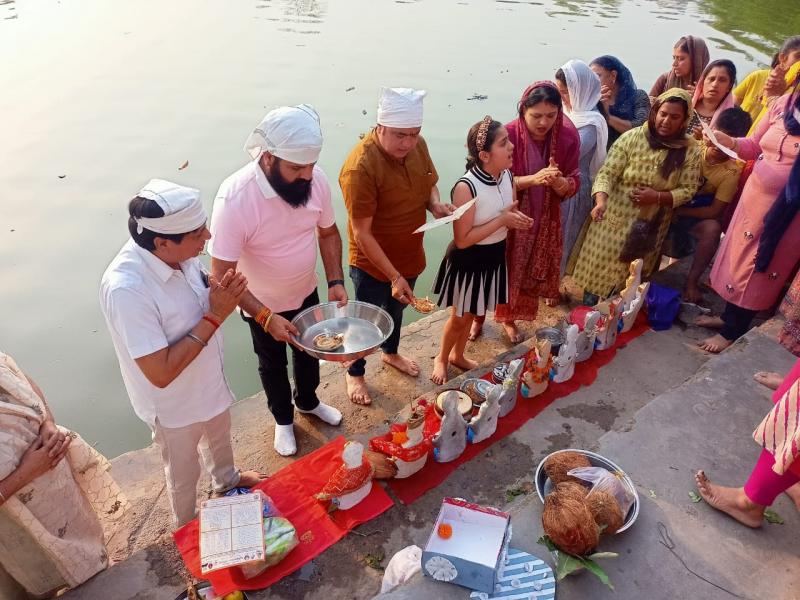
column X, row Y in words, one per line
column 478, row 97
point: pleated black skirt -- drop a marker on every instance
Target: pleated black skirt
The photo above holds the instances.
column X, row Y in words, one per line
column 473, row 280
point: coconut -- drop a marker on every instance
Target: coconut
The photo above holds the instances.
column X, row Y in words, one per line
column 569, row 524
column 558, row 465
column 606, row 512
column 572, row 489
column 384, row 468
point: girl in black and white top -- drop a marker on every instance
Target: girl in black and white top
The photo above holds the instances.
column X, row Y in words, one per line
column 472, row 277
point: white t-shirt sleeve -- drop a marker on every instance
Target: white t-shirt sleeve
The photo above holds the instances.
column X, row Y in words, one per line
column 136, row 321
column 327, row 217
column 228, row 233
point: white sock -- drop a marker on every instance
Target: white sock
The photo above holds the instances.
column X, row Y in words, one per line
column 284, row 440
column 326, row 412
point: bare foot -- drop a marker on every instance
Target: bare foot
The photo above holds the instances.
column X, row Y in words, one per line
column 731, row 501
column 439, row 375
column 250, row 478
column 769, row 379
column 513, row 333
column 357, row 390
column 715, row 344
column 475, row 330
column 794, row 493
column 709, row 322
column 462, row 362
column 692, row 293
column 401, row 363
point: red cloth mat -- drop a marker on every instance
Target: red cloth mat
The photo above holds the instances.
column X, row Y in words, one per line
column 292, row 490
column 433, row 473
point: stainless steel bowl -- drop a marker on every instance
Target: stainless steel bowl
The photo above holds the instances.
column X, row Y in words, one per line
column 365, row 327
column 544, row 486
column 554, row 334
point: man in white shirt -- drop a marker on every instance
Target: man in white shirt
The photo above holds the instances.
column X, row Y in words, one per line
column 268, row 219
column 163, row 313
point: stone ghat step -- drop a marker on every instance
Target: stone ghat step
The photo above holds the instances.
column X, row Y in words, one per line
column 705, row 423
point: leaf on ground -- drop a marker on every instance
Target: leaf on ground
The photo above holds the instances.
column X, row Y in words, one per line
column 519, row 490
column 695, row 497
column 652, row 494
column 567, row 563
column 374, row 559
column 772, row 517
column 184, row 165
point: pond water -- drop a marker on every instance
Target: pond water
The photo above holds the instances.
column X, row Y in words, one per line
column 98, row 97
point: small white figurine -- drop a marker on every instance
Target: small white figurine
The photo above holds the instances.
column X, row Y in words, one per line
column 629, row 314
column 351, row 482
column 632, row 283
column 564, row 363
column 451, row 440
column 537, row 370
column 484, row 424
column 609, row 327
column 586, row 338
column 508, row 399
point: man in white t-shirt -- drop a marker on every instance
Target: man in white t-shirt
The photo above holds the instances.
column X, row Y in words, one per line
column 163, row 313
column 268, row 219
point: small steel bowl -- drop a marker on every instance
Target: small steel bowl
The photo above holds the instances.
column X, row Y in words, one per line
column 544, row 486
column 554, row 334
column 365, row 327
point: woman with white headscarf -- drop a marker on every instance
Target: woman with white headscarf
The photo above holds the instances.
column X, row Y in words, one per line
column 580, row 91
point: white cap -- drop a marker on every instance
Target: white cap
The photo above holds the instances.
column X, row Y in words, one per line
column 292, row 133
column 183, row 211
column 400, row 107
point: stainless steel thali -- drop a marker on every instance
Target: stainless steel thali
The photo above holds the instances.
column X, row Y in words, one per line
column 364, row 326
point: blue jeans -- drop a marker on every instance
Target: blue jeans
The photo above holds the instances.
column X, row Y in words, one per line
column 379, row 293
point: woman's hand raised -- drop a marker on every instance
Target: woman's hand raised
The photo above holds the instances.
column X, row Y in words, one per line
column 512, row 218
column 547, row 175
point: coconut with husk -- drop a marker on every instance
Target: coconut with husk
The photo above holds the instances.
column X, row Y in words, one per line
column 568, row 522
column 558, row 466
column 572, row 489
column 384, row 467
column 606, row 511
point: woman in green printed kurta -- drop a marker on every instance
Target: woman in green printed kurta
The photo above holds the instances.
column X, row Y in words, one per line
column 649, row 171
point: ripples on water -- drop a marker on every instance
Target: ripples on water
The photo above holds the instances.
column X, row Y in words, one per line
column 110, row 96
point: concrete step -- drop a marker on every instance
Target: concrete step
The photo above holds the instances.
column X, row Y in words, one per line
column 705, row 423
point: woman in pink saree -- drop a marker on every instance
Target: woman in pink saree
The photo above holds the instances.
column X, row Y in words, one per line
column 546, row 172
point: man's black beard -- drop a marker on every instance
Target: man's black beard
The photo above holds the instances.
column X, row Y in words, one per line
column 295, row 193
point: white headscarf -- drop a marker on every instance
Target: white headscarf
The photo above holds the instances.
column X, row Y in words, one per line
column 292, row 133
column 183, row 211
column 584, row 94
column 400, row 107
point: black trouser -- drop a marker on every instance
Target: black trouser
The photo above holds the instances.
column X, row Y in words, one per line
column 379, row 293
column 737, row 321
column 272, row 367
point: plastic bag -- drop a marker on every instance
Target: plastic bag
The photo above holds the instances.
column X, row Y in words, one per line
column 280, row 538
column 663, row 305
column 604, row 480
column 402, row 567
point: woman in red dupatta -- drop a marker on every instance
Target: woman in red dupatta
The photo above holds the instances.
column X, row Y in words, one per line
column 546, row 171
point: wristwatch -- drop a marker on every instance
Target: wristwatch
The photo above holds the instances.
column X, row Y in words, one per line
column 334, row 282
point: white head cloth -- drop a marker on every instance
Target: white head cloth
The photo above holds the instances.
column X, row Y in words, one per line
column 292, row 133
column 584, row 94
column 400, row 107
column 183, row 211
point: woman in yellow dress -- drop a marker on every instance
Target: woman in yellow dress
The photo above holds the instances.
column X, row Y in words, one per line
column 650, row 170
